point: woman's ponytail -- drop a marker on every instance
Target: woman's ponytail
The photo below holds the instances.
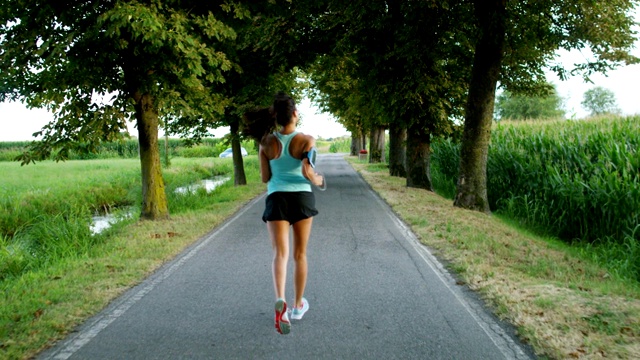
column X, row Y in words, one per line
column 262, row 121
column 258, row 123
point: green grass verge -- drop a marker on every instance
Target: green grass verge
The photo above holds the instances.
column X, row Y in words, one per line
column 44, row 303
column 561, row 301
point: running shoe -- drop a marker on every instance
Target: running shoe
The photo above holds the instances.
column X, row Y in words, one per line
column 297, row 313
column 283, row 326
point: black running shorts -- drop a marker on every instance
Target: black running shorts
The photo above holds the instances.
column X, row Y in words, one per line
column 290, row 206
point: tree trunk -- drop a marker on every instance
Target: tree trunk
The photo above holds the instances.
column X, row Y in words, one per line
column 355, row 148
column 358, row 142
column 355, row 144
column 376, row 145
column 397, row 150
column 154, row 198
column 363, row 139
column 472, row 181
column 167, row 161
column 239, row 177
column 419, row 157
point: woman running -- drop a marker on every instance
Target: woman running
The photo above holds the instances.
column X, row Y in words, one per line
column 287, row 169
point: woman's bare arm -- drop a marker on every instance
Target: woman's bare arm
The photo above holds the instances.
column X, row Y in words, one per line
column 265, row 169
column 311, row 175
column 308, row 170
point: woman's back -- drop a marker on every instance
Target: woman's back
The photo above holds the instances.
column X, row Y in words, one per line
column 286, row 170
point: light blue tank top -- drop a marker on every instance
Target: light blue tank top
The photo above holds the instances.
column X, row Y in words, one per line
column 286, row 171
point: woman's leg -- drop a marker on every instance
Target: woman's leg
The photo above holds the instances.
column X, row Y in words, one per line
column 279, row 234
column 301, row 232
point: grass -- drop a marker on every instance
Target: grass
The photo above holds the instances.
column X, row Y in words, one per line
column 45, row 303
column 574, row 180
column 560, row 300
column 48, row 175
column 341, row 146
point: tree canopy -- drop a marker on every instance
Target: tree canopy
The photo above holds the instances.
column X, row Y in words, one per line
column 522, row 106
column 600, row 101
column 86, row 61
column 188, row 66
column 517, row 39
column 413, row 67
column 96, row 65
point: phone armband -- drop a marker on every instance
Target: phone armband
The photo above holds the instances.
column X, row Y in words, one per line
column 311, row 156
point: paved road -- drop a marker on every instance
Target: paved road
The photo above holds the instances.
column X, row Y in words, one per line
column 375, row 293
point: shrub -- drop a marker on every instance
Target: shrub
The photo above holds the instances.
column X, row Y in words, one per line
column 198, row 151
column 340, row 146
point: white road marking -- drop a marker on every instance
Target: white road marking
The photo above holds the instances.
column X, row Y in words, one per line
column 75, row 343
column 509, row 348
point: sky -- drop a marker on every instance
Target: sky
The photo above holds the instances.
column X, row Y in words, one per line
column 313, row 122
column 17, row 123
column 623, row 82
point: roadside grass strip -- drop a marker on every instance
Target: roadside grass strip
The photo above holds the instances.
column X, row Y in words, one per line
column 560, row 301
column 46, row 303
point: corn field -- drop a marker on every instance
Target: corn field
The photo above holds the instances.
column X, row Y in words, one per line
column 577, row 180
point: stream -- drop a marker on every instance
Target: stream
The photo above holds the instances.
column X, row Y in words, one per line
column 104, row 221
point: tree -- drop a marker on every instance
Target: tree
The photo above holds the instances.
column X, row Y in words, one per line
column 472, row 188
column 96, row 65
column 268, row 53
column 600, row 101
column 523, row 106
column 256, row 80
column 264, row 33
column 334, row 90
column 516, row 40
column 403, row 54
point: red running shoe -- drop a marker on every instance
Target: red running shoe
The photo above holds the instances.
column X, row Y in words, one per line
column 283, row 326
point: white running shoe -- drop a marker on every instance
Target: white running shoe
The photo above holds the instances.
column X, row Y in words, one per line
column 298, row 313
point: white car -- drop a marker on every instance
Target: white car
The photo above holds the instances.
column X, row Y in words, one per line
column 229, row 153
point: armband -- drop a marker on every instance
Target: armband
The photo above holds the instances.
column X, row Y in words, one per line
column 311, row 155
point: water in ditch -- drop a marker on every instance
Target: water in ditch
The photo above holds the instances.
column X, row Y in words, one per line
column 104, row 221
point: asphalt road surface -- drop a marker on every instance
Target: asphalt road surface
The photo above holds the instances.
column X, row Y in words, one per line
column 374, row 293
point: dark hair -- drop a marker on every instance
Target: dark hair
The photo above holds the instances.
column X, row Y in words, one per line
column 283, row 108
column 261, row 121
